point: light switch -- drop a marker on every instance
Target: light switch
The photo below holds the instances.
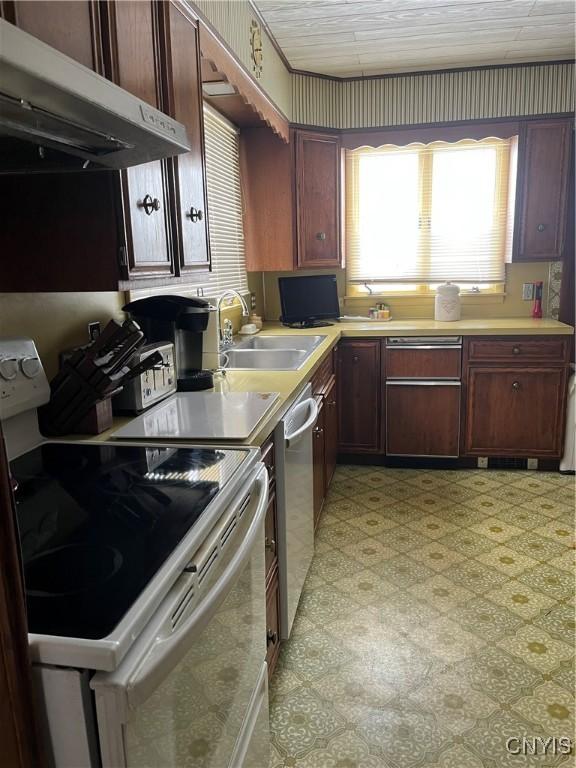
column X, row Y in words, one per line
column 527, row 291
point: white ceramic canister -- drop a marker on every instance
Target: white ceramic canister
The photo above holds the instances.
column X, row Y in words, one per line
column 447, row 303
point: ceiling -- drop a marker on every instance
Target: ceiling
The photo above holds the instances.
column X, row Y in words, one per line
column 352, row 38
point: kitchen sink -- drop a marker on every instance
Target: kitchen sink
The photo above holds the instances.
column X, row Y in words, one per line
column 266, row 359
column 307, row 343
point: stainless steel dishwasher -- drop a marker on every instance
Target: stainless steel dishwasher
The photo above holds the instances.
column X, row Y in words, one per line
column 295, row 493
column 423, row 392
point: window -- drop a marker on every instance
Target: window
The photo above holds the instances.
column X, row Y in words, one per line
column 422, row 214
column 225, row 219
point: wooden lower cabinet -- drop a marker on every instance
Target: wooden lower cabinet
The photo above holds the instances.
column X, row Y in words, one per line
column 359, row 377
column 330, row 432
column 515, row 411
column 319, row 460
column 422, row 419
column 272, row 622
column 271, row 561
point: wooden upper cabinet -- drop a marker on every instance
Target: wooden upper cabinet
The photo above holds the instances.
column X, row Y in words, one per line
column 182, row 95
column 317, row 200
column 292, row 200
column 73, row 28
column 541, row 192
column 132, row 56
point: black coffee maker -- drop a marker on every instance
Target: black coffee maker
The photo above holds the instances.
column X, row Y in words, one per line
column 182, row 321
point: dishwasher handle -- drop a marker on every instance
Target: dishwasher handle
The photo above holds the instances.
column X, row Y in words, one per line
column 292, row 437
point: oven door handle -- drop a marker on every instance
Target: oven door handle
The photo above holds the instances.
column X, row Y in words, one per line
column 292, row 437
column 167, row 651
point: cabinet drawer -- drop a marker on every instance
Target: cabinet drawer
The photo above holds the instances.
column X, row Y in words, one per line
column 515, row 412
column 520, row 349
column 271, row 534
column 423, row 418
column 321, row 378
column 421, row 363
column 272, row 623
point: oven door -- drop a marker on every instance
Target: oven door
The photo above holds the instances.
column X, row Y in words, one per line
column 184, row 694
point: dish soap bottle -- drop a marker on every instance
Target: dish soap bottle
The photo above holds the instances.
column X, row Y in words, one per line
column 537, row 308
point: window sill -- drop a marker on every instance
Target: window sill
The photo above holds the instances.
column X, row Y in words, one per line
column 467, row 299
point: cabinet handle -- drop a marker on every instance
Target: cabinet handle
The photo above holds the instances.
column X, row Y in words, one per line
column 270, row 545
column 195, row 214
column 318, row 431
column 516, row 385
column 149, row 204
column 271, row 638
column 516, row 350
column 320, row 235
column 332, row 403
column 541, row 227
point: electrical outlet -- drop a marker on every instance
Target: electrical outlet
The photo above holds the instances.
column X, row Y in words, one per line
column 527, row 291
column 482, row 462
column 532, row 464
column 94, row 330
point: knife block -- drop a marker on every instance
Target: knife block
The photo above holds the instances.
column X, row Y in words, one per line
column 97, row 420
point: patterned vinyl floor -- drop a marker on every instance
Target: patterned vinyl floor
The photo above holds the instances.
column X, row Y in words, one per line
column 437, row 621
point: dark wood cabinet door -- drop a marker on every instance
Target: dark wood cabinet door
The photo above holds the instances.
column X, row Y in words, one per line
column 183, row 101
column 317, row 200
column 359, row 396
column 271, row 536
column 515, row 411
column 133, row 62
column 73, row 28
column 319, row 461
column 330, row 433
column 422, row 419
column 543, row 175
column 272, row 622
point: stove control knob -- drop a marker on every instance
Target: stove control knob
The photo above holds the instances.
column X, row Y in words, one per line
column 8, row 368
column 30, row 366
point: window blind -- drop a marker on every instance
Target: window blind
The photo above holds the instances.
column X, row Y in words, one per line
column 225, row 212
column 426, row 213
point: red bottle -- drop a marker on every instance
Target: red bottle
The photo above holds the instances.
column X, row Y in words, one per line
column 537, row 308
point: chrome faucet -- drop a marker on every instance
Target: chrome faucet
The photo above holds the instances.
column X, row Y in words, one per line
column 226, row 335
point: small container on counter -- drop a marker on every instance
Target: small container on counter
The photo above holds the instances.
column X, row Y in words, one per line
column 447, row 303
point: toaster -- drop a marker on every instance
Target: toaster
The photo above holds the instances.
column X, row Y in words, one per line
column 151, row 386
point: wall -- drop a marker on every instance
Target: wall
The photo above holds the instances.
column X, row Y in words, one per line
column 402, row 308
column 232, row 19
column 432, row 98
column 56, row 321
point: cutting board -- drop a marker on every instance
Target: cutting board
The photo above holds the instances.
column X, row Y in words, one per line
column 201, row 416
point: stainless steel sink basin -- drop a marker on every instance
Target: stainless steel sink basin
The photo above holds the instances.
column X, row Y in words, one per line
column 265, row 359
column 308, row 343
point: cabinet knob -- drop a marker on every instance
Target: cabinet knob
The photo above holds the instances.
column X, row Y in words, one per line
column 320, row 235
column 332, row 403
column 516, row 350
column 270, row 545
column 271, row 637
column 541, row 227
column 318, row 431
column 516, row 385
column 195, row 214
column 150, row 204
column 355, row 358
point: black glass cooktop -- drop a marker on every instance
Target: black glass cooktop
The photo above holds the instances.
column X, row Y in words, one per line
column 97, row 521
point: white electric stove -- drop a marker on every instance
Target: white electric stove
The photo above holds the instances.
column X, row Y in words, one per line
column 138, row 559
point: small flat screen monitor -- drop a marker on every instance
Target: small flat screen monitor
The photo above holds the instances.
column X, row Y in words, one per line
column 308, row 300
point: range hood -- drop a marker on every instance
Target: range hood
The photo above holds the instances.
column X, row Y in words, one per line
column 56, row 114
